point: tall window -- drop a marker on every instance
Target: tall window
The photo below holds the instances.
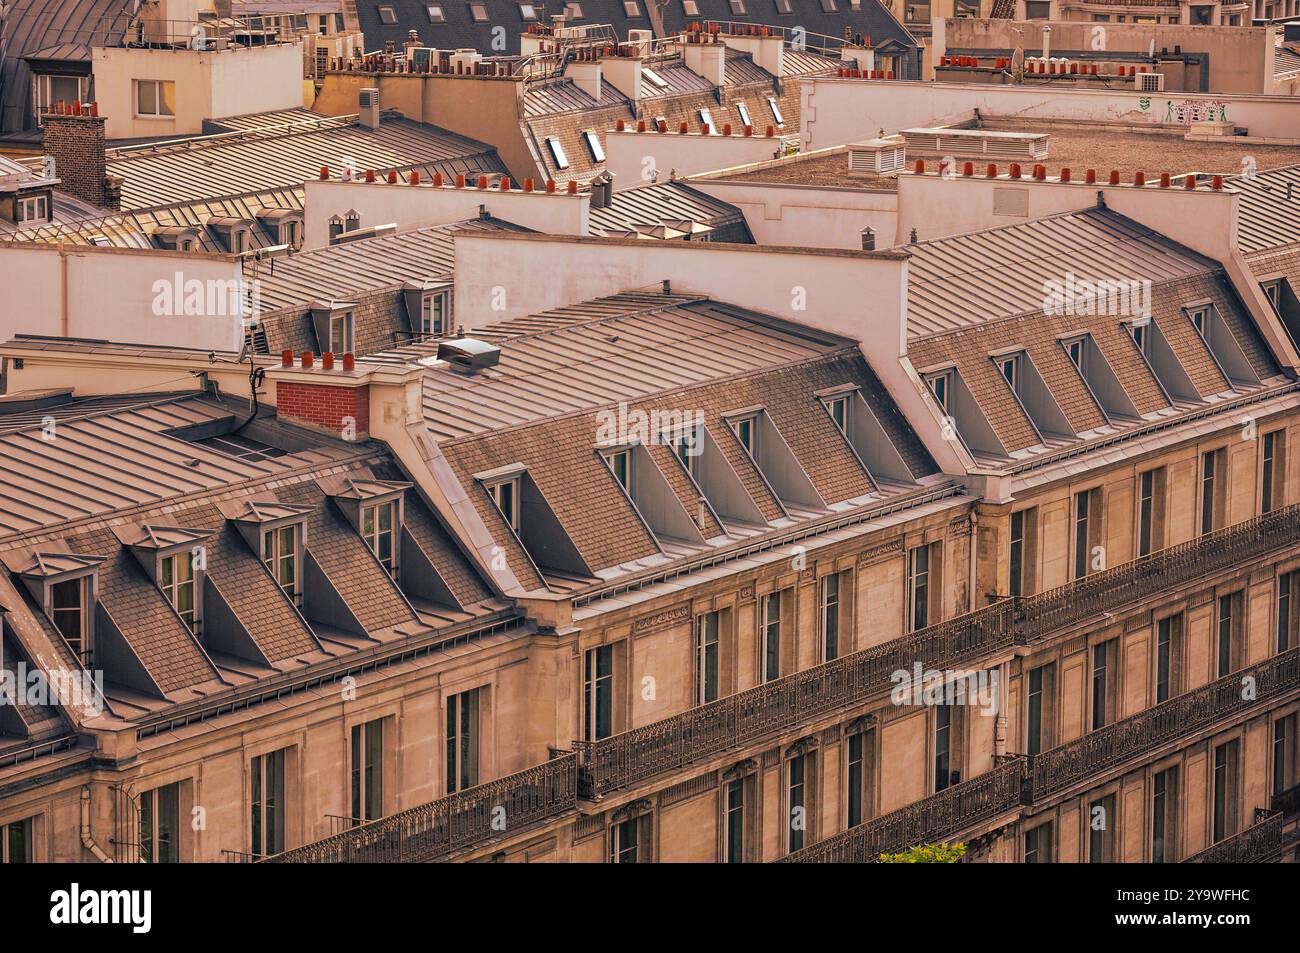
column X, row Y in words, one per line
column 155, row 97
column 1087, row 517
column 379, row 528
column 70, row 613
column 941, row 387
column 1038, row 844
column 1288, row 612
column 16, row 842
column 159, row 815
column 1168, row 633
column 1273, row 467
column 706, row 657
column 506, row 496
column 1226, row 639
column 770, row 636
column 267, row 771
column 831, row 611
column 1284, row 754
column 1151, row 484
column 1225, row 790
column 734, row 821
column 1103, row 682
column 945, row 719
column 1164, row 798
column 797, row 771
column 280, row 554
column 462, row 740
column 1101, row 830
column 1020, row 550
column 629, row 840
column 1214, row 480
column 367, row 771
column 860, row 773
column 598, row 691
column 920, row 586
column 1009, row 368
column 1038, row 730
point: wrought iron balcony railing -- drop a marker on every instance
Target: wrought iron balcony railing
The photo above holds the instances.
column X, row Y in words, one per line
column 1259, row 842
column 781, row 705
column 465, row 819
column 1059, row 768
column 933, row 819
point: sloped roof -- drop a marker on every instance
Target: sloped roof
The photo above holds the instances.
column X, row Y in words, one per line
column 660, row 203
column 870, row 18
column 1268, row 216
column 285, row 156
column 339, row 271
column 968, row 280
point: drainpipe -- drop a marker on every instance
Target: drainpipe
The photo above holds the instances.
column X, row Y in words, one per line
column 87, row 841
column 971, row 570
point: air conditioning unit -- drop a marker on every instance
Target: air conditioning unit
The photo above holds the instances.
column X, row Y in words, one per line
column 639, row 36
column 877, row 156
column 1149, row 82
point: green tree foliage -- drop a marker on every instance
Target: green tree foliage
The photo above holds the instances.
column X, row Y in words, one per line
column 944, row 853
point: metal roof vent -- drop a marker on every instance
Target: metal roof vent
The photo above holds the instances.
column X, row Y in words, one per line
column 976, row 144
column 467, row 354
column 368, row 112
column 877, row 156
column 1149, row 82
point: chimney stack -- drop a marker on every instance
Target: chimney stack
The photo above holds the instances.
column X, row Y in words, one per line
column 368, row 111
column 76, row 143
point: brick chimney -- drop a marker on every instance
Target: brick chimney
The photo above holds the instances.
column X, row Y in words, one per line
column 319, row 393
column 76, row 142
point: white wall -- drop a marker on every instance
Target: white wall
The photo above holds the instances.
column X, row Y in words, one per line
column 837, row 111
column 66, row 293
column 412, row 206
column 860, row 295
column 209, row 85
column 809, row 216
column 630, row 155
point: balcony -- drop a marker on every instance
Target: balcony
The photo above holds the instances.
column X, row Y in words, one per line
column 469, row 818
column 768, row 710
column 1258, row 843
column 936, row 818
column 1075, row 762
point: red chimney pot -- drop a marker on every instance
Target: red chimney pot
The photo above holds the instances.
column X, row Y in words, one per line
column 327, row 361
column 349, row 361
column 308, row 358
column 286, row 358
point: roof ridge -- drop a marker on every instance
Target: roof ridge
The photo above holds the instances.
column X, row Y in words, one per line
column 170, row 398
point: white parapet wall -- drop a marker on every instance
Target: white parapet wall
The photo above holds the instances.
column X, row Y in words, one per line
column 638, row 158
column 418, row 206
column 837, row 111
column 175, row 299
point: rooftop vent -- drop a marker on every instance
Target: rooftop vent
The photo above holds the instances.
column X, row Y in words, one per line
column 357, row 234
column 976, row 143
column 877, row 156
column 468, row 354
column 368, row 113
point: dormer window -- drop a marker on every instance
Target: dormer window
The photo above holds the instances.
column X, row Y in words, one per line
column 478, row 12
column 1009, row 368
column 1140, row 332
column 941, row 387
column 690, row 8
column 1273, row 292
column 1077, row 349
column 506, row 496
column 70, row 611
column 1201, row 320
column 593, row 145
column 435, row 313
column 743, row 110
column 291, row 233
column 688, row 445
column 620, row 464
column 176, row 579
column 776, row 112
column 706, row 118
column 746, row 431
column 435, row 12
column 527, row 11
column 281, row 549
column 387, row 16
column 839, row 408
column 631, row 8
column 34, row 208
column 341, row 336
column 379, row 528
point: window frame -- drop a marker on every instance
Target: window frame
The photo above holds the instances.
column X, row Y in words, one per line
column 594, row 148
column 268, row 797
column 775, row 109
column 558, row 156
column 275, row 559
column 442, row 312
column 368, row 521
column 598, row 692
column 769, row 635
column 159, row 100
column 366, row 771
column 193, row 617
column 494, row 489
column 83, row 645
column 463, row 724
column 708, row 657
